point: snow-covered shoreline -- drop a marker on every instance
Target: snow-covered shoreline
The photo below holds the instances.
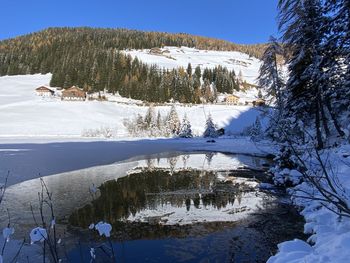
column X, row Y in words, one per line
column 329, row 239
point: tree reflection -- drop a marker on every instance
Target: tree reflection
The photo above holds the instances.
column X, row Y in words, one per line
column 151, row 188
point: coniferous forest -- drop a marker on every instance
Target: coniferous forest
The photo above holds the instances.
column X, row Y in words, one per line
column 316, row 35
column 93, row 60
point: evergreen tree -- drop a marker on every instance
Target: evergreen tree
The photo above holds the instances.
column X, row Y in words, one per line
column 197, row 72
column 256, row 130
column 207, row 91
column 140, row 125
column 270, row 76
column 240, row 79
column 336, row 59
column 189, row 70
column 150, row 121
column 207, row 75
column 173, row 122
column 302, row 24
column 210, row 128
column 159, row 122
column 185, row 130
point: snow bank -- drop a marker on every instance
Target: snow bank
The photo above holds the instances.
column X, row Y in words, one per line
column 291, row 251
column 330, row 234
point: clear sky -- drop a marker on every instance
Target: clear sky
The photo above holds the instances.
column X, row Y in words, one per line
column 240, row 21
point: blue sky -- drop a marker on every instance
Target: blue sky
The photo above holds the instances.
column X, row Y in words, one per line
column 240, row 21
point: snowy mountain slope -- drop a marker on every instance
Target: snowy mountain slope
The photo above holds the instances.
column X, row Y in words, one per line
column 23, row 113
column 174, row 57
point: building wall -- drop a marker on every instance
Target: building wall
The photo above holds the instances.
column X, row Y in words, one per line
column 44, row 94
column 72, row 98
column 231, row 100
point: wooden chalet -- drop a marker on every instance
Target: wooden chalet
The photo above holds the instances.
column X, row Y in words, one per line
column 231, row 99
column 44, row 91
column 73, row 93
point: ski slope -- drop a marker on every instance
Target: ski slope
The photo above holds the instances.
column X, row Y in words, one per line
column 24, row 114
column 174, row 57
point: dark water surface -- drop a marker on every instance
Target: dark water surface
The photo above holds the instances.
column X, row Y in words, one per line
column 197, row 207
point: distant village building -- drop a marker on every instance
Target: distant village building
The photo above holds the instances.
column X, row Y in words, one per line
column 44, row 91
column 259, row 102
column 232, row 99
column 73, row 93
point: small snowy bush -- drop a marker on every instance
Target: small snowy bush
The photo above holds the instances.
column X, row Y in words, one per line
column 104, row 132
column 7, row 232
column 38, row 234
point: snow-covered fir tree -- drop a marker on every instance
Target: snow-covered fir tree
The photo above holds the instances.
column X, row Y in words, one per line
column 210, row 128
column 270, row 75
column 150, row 117
column 185, row 130
column 159, row 121
column 302, row 25
column 336, row 60
column 315, row 35
column 140, row 125
column 151, row 122
column 256, row 130
column 173, row 122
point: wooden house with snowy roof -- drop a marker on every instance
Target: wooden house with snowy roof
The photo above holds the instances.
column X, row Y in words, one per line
column 44, row 91
column 73, row 93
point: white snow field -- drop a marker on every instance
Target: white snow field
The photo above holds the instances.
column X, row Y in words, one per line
column 174, row 57
column 24, row 114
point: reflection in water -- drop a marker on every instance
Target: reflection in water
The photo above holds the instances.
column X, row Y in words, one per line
column 174, row 194
column 71, row 190
column 200, row 207
column 209, row 157
column 252, row 240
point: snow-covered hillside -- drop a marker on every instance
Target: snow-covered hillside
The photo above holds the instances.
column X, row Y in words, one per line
column 23, row 113
column 174, row 57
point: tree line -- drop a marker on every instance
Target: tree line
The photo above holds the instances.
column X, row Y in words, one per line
column 92, row 59
column 115, row 71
